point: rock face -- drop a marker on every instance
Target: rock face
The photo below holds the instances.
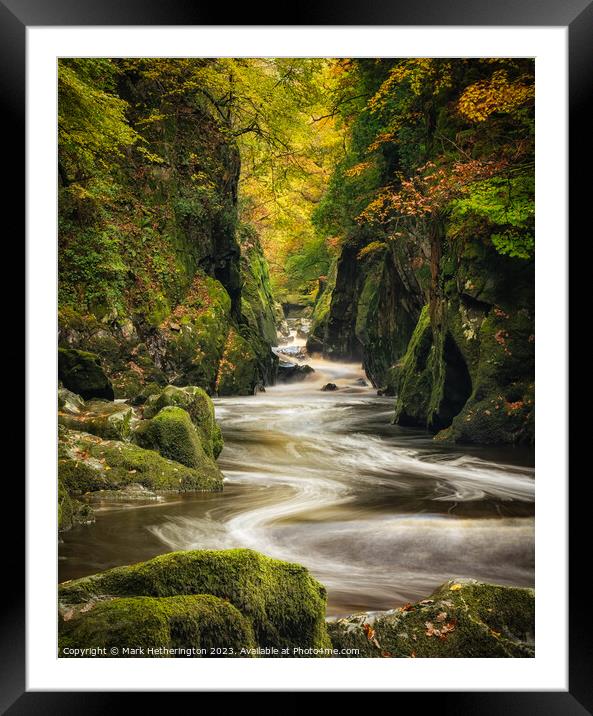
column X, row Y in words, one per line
column 159, row 280
column 368, row 309
column 82, row 373
column 458, row 353
column 469, row 368
column 197, row 598
column 461, row 619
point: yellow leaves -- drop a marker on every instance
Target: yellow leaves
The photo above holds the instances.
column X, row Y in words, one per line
column 498, row 94
column 455, row 587
column 358, row 169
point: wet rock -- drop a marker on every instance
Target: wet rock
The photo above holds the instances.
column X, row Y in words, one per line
column 293, row 372
column 361, row 382
column 298, row 352
column 388, row 390
column 314, row 344
column 130, row 493
column 330, row 387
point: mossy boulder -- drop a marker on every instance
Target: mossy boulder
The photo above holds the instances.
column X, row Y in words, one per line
column 152, row 627
column 87, row 463
column 283, row 603
column 172, row 434
column 461, row 619
column 200, row 409
column 82, row 373
column 112, row 421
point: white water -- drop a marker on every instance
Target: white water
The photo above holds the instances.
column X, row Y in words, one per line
column 378, row 513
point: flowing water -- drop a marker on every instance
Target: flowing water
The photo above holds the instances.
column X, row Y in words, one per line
column 380, row 514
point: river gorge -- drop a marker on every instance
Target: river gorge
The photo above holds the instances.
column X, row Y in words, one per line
column 379, row 513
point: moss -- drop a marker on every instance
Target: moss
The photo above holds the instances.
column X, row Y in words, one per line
column 70, row 511
column 414, row 376
column 172, row 434
column 285, row 605
column 461, row 619
column 81, row 372
column 202, row 622
column 112, row 421
column 237, row 372
column 257, row 297
column 87, row 463
column 200, row 409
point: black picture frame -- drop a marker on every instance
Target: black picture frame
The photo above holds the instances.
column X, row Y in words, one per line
column 577, row 15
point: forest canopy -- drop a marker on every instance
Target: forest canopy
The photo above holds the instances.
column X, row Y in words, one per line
column 328, row 148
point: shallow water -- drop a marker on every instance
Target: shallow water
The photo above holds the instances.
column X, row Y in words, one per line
column 380, row 514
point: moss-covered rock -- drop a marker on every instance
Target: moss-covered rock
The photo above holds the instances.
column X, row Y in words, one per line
column 461, row 619
column 177, row 626
column 81, row 372
column 200, row 409
column 284, row 604
column 172, row 434
column 112, row 421
column 87, row 463
column 70, row 511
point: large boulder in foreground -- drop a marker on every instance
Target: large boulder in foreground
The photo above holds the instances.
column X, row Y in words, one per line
column 195, row 625
column 461, row 619
column 283, row 603
column 82, row 373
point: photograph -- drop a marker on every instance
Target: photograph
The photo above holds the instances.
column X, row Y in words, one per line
column 296, row 357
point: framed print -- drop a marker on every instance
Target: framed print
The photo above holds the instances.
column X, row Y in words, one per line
column 298, row 290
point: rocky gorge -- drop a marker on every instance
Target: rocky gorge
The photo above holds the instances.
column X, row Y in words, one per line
column 326, row 452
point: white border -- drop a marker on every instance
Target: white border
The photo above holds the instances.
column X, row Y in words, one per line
column 549, row 668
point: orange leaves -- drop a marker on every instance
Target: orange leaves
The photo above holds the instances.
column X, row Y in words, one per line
column 497, row 94
column 431, row 189
column 369, row 631
column 443, row 631
column 358, row 169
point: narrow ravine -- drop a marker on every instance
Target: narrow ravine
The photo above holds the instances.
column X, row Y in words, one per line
column 379, row 513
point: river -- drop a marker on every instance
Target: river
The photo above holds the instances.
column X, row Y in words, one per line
column 380, row 514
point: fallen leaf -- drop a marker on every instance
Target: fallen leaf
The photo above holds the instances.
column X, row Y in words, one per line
column 455, row 587
column 441, row 616
column 369, row 631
